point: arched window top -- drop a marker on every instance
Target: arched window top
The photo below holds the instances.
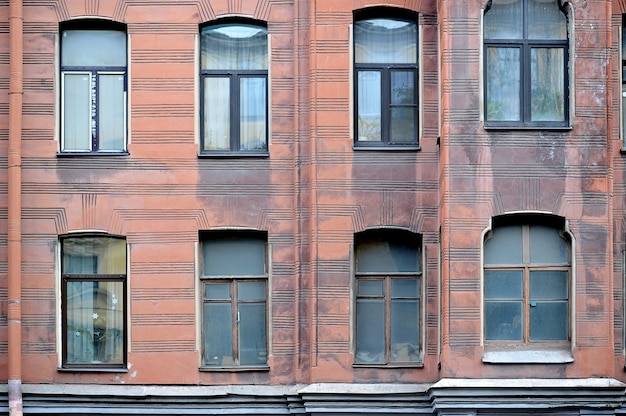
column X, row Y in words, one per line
column 93, row 42
column 525, row 19
column 385, row 36
column 388, row 251
column 234, row 44
column 93, row 254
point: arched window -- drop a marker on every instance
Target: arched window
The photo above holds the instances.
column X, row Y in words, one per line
column 388, row 297
column 527, row 281
column 525, row 57
column 386, row 78
column 93, row 87
column 234, row 87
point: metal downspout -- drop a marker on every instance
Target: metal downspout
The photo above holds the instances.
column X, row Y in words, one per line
column 14, row 316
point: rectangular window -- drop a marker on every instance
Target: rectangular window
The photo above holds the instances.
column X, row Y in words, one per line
column 234, row 299
column 388, row 298
column 385, row 64
column 234, row 87
column 93, row 89
column 93, row 290
column 624, row 81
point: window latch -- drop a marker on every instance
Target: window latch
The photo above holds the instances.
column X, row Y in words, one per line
column 237, row 315
column 533, row 303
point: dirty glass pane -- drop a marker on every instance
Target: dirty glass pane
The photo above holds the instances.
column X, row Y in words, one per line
column 77, row 112
column 252, row 336
column 403, row 87
column 370, row 288
column 547, row 75
column 503, row 321
column 547, row 246
column 95, row 48
column 405, row 288
column 503, row 84
column 234, row 46
column 545, row 20
column 549, row 321
column 385, row 41
column 251, row 290
column 405, row 330
column 217, row 291
column 95, row 322
column 94, row 255
column 370, row 331
column 504, row 20
column 234, row 256
column 218, row 339
column 382, row 252
column 503, row 284
column 111, row 112
column 216, row 134
column 504, row 246
column 548, row 284
column 369, row 106
column 253, row 113
column 403, row 124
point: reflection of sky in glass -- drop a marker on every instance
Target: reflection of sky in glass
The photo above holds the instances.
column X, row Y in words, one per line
column 388, row 24
column 238, row 31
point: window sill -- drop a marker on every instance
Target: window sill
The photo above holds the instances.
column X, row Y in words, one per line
column 233, row 369
column 417, row 364
column 623, row 150
column 218, row 155
column 492, row 127
column 388, row 148
column 97, row 154
column 535, row 354
column 92, row 370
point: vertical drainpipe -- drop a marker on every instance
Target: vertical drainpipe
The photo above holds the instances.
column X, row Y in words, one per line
column 14, row 317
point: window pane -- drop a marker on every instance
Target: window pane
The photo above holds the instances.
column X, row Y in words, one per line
column 547, row 84
column 548, row 321
column 547, row 246
column 503, row 321
column 76, row 112
column 252, row 338
column 503, row 84
column 504, row 20
column 251, row 291
column 405, row 330
column 216, row 113
column 370, row 288
column 234, row 256
column 403, row 87
column 93, row 48
column 94, row 255
column 111, row 109
column 548, row 284
column 252, row 114
column 405, row 288
column 546, row 21
column 504, row 246
column 388, row 252
column 385, row 41
column 503, row 284
column 217, row 291
column 95, row 322
column 234, row 46
column 369, row 106
column 218, row 335
column 403, row 124
column 370, row 331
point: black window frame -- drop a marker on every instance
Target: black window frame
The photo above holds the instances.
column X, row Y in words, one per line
column 94, row 73
column 412, row 357
column 385, row 70
column 623, row 90
column 95, row 278
column 526, row 45
column 233, row 281
column 234, row 76
column 526, row 267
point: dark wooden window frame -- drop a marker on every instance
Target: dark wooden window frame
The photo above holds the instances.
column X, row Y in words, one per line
column 234, row 77
column 95, row 72
column 526, row 46
column 100, row 278
column 526, row 268
column 385, row 70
